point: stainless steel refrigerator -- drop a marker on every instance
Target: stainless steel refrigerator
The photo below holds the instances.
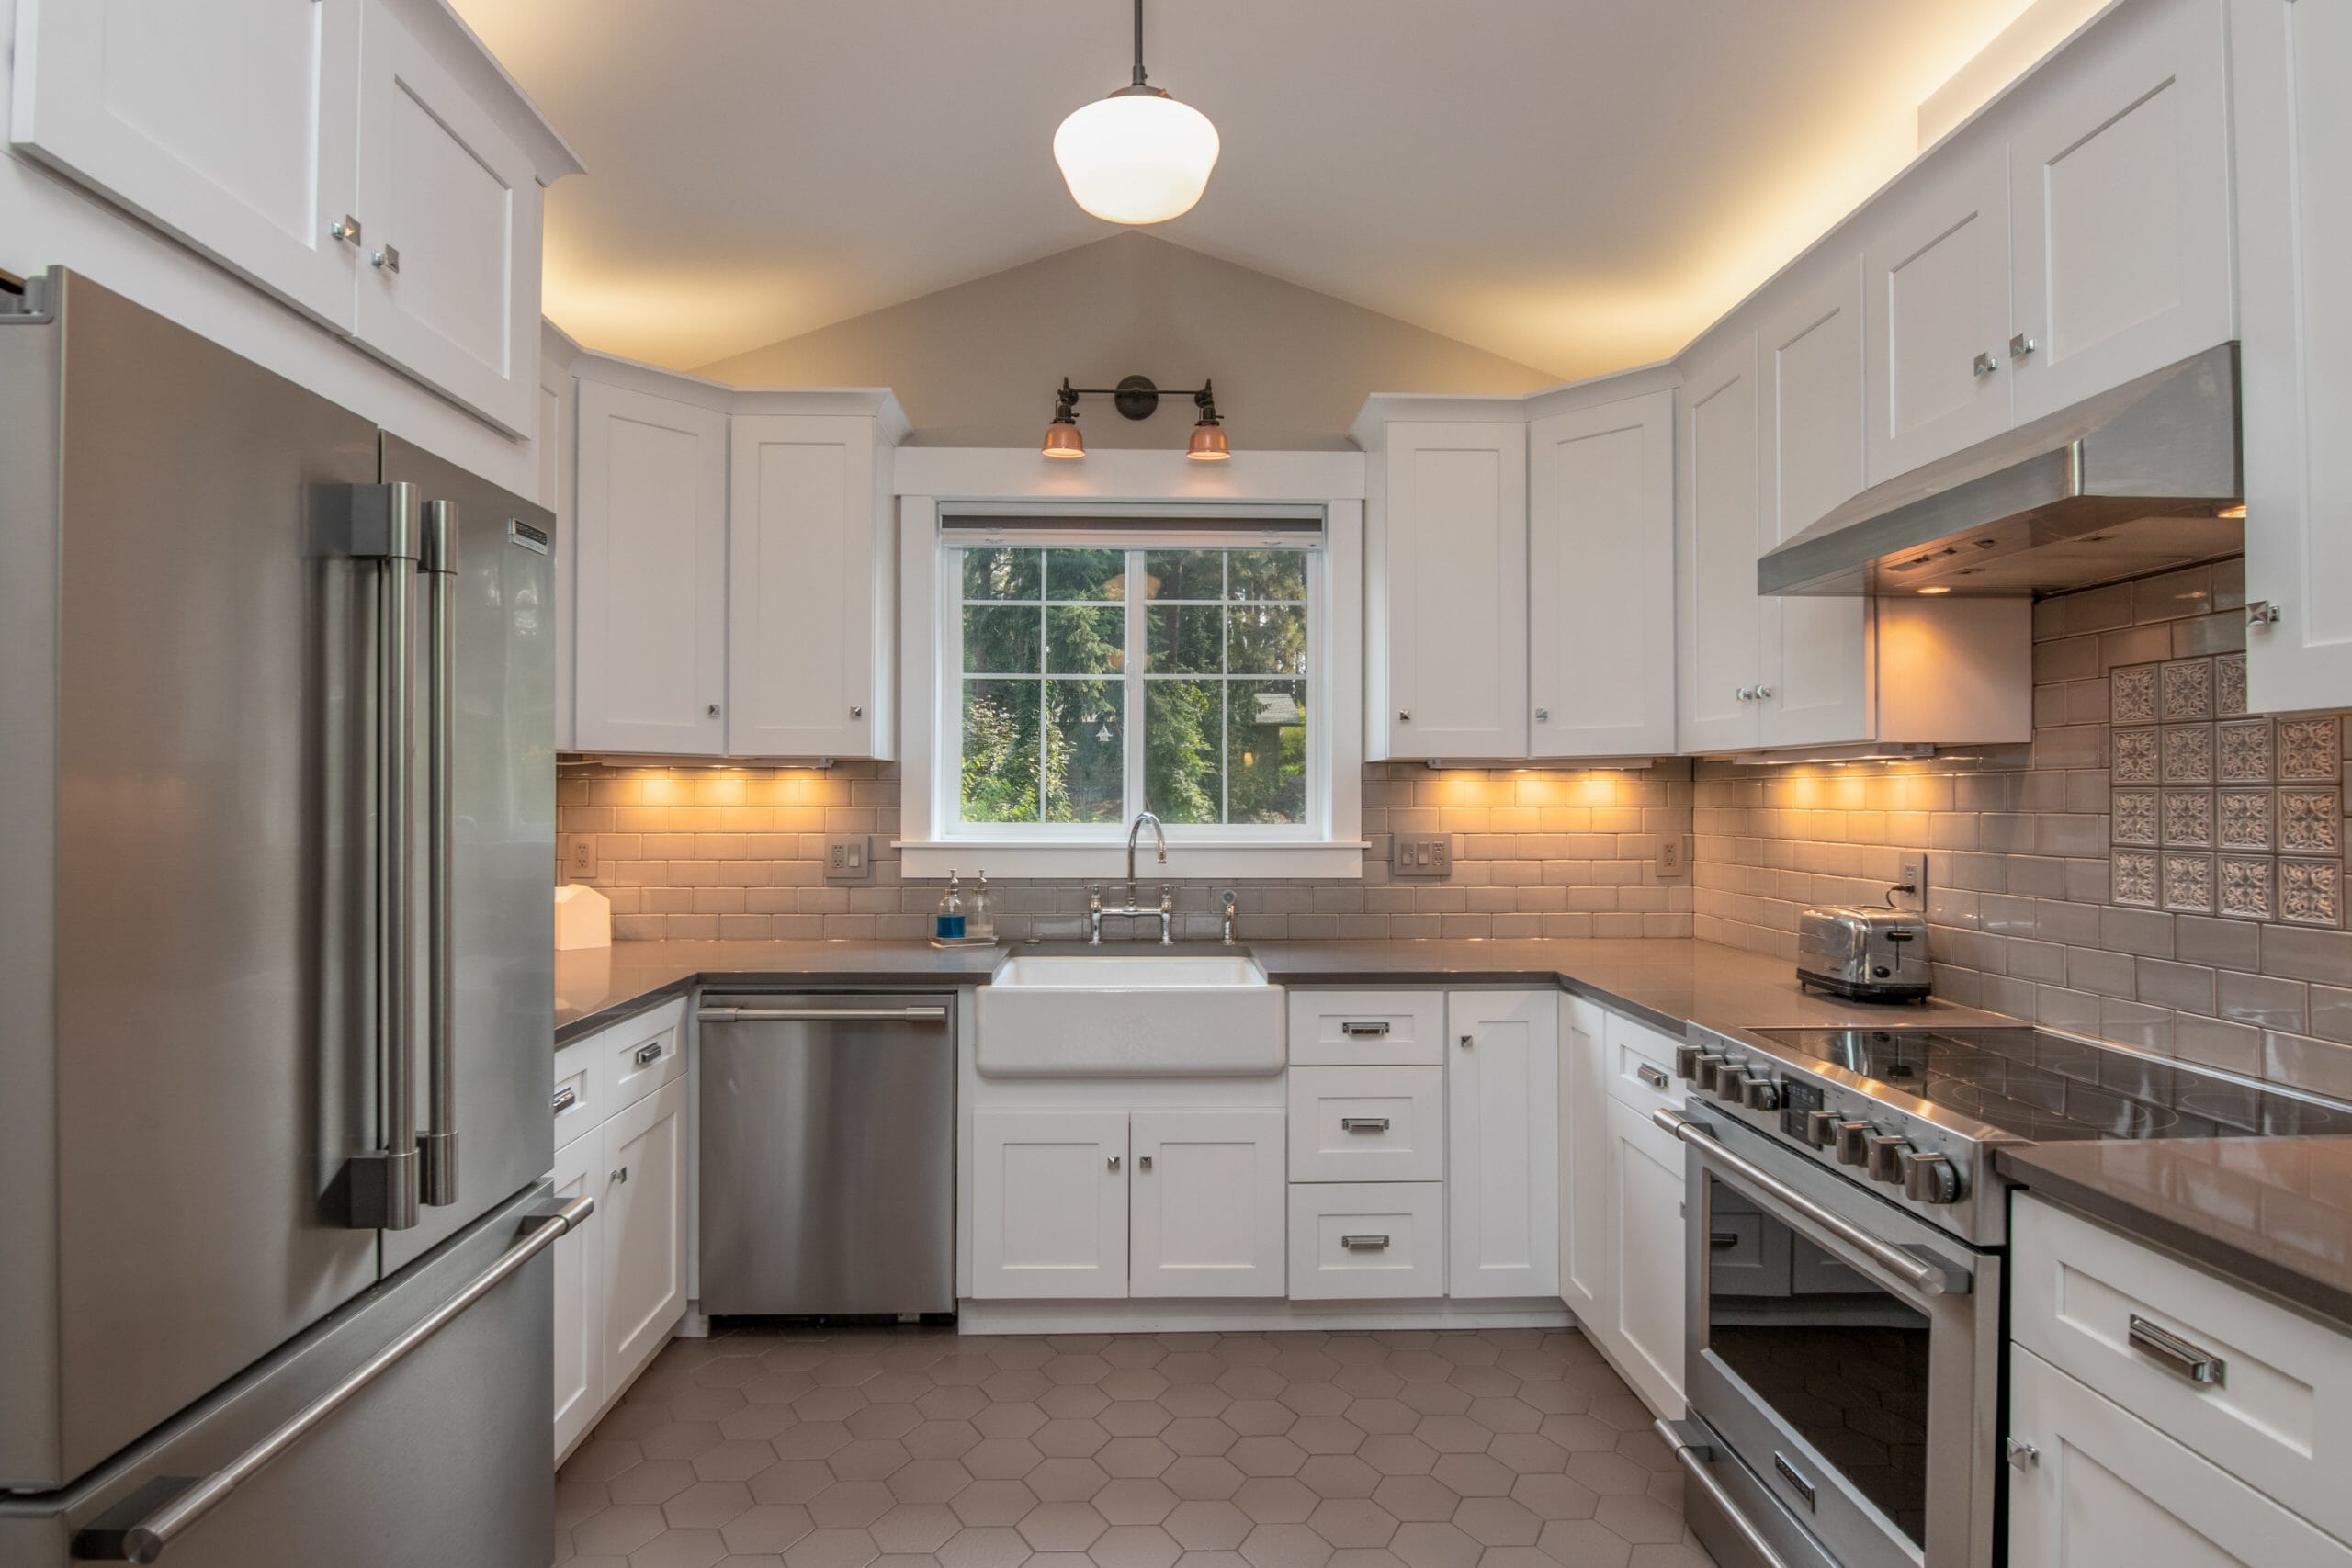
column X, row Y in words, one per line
column 276, row 825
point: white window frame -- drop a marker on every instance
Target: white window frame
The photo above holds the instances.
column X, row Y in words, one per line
column 1328, row 844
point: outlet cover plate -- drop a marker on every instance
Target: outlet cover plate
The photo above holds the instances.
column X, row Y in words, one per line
column 1424, row 858
column 1912, row 870
column 849, row 857
column 578, row 857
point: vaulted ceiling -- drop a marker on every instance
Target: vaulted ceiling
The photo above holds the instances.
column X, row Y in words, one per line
column 1578, row 185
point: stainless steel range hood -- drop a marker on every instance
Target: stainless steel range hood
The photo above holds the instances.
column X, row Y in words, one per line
column 2119, row 485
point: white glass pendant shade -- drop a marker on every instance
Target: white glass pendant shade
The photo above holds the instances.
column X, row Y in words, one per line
column 1137, row 157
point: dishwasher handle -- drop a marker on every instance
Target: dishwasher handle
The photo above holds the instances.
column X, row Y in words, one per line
column 822, row 1015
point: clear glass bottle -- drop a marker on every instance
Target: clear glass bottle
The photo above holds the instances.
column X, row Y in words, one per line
column 949, row 927
column 981, row 925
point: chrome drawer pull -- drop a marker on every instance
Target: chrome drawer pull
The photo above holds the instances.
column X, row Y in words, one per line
column 565, row 1099
column 2175, row 1354
column 1364, row 1030
column 1653, row 1076
column 648, row 1055
column 1720, row 1240
column 1363, row 1243
column 1363, row 1124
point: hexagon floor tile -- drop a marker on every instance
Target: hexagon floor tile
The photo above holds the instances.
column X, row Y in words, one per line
column 882, row 1448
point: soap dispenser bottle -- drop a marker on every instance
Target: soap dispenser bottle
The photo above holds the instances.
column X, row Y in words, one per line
column 982, row 926
column 950, row 924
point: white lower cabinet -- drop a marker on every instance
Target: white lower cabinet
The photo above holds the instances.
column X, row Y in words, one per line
column 578, row 1299
column 1646, row 1258
column 1205, row 1203
column 1367, row 1123
column 1502, row 1181
column 1367, row 1240
column 645, row 1229
column 1049, row 1204
column 1584, row 1160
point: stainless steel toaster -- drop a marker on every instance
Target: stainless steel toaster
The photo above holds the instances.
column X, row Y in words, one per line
column 1869, row 954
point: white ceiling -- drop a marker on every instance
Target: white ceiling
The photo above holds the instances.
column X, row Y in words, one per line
column 1578, row 185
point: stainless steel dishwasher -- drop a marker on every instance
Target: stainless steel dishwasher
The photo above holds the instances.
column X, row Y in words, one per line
column 828, row 1155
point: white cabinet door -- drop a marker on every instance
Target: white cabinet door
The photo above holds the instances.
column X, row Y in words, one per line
column 2106, row 1489
column 1455, row 570
column 642, row 1213
column 1722, row 618
column 451, row 288
column 1585, row 1145
column 579, row 1294
column 1601, row 580
column 2119, row 209
column 1936, row 313
column 2294, row 123
column 1809, row 461
column 807, row 673
column 1645, row 1230
column 1210, row 1203
column 1502, row 1167
column 1049, row 1204
column 227, row 123
column 559, row 461
column 650, row 633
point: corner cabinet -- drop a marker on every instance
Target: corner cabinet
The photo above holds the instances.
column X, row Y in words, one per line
column 369, row 164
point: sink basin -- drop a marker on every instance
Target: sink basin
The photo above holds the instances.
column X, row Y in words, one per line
column 1130, row 1015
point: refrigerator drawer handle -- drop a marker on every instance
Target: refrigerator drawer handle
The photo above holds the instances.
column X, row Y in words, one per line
column 146, row 1540
column 822, row 1015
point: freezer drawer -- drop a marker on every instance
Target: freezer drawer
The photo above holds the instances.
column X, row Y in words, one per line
column 828, row 1168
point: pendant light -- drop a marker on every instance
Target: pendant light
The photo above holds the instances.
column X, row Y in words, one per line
column 1137, row 157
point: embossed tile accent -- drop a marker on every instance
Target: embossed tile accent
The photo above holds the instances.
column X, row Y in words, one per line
column 2188, row 753
column 2188, row 884
column 2132, row 756
column 2311, row 892
column 2133, row 818
column 2131, row 695
column 2245, row 751
column 2187, row 690
column 2307, row 750
column 2245, row 887
column 2188, row 819
column 2243, row 819
column 2311, row 822
column 2229, row 684
column 2132, row 878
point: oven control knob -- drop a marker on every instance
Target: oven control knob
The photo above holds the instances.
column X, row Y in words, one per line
column 1930, row 1177
column 1887, row 1150
column 1686, row 1062
column 1821, row 1128
column 1730, row 1083
column 1853, row 1143
column 1760, row 1094
column 1710, row 1062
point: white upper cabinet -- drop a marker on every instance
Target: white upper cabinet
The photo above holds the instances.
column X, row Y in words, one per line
column 1720, row 668
column 810, row 589
column 449, row 284
column 2293, row 121
column 227, row 123
column 1936, row 308
column 1600, row 579
column 2120, row 207
column 1446, row 644
column 1502, row 1144
column 650, row 625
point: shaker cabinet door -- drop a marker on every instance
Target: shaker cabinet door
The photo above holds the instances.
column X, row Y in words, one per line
column 578, row 1295
column 1049, row 1204
column 1584, row 1281
column 1645, row 1230
column 643, row 1216
column 1721, row 669
column 1211, row 1200
column 1935, row 313
column 228, row 124
column 1502, row 1144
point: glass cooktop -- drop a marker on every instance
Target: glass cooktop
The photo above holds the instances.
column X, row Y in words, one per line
column 2049, row 1088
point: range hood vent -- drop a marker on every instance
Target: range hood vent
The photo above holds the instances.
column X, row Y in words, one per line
column 2132, row 482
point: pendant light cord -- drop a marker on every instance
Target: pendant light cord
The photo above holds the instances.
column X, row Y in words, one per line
column 1140, row 80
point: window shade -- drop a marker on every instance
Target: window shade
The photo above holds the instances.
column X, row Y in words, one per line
column 1101, row 527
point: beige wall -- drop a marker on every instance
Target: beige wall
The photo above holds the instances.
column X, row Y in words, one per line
column 976, row 364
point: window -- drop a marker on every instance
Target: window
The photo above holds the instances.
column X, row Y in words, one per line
column 1094, row 683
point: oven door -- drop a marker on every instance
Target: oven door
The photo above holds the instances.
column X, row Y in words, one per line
column 1846, row 1352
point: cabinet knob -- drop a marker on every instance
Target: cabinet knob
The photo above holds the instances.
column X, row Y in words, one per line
column 2261, row 614
column 1143, row 1162
column 712, row 710
column 347, row 231
column 620, row 1173
column 855, row 711
column 1762, row 693
column 2021, row 345
column 1986, row 364
column 1404, row 716
column 1468, row 1041
column 1115, row 1162
column 1542, row 716
column 389, row 258
column 2023, row 1454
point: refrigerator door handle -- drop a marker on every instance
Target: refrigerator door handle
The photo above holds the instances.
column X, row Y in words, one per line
column 438, row 562
column 147, row 1539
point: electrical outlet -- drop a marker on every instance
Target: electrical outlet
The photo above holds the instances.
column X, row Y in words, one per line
column 1911, row 872
column 850, row 859
column 1673, row 857
column 1428, row 858
column 579, row 857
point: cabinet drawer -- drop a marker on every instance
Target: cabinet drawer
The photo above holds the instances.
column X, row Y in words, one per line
column 1366, row 1240
column 1640, row 1064
column 1367, row 1123
column 1343, row 1029
column 644, row 1053
column 2277, row 1410
column 578, row 1104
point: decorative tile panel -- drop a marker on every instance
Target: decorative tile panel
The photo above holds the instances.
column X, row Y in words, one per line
column 2133, row 818
column 2188, row 753
column 2188, row 819
column 2131, row 695
column 2245, row 887
column 2188, row 884
column 2307, row 750
column 2133, row 755
column 2229, row 686
column 2243, row 752
column 2132, row 877
column 2311, row 822
column 2311, row 892
column 2188, row 691
column 2242, row 820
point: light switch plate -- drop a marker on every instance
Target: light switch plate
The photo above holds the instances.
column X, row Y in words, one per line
column 849, row 858
column 1426, row 858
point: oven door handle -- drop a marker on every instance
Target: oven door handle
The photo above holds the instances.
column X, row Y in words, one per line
column 1924, row 1275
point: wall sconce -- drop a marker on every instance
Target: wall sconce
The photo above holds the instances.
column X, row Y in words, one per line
column 1136, row 398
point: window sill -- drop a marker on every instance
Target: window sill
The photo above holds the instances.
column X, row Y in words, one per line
column 1194, row 860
